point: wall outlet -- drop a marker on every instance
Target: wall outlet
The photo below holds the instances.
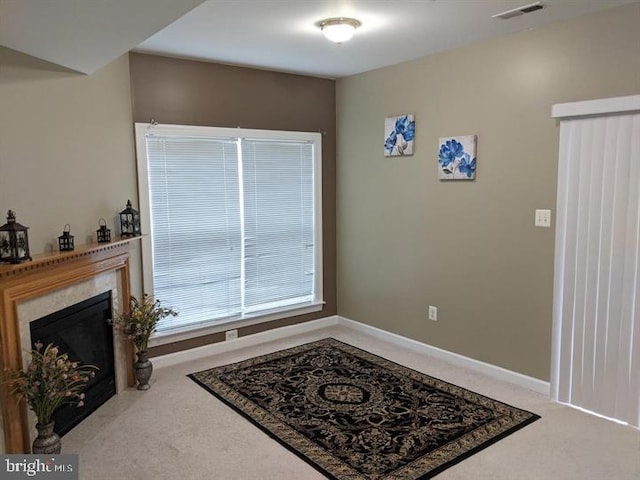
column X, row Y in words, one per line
column 231, row 334
column 433, row 313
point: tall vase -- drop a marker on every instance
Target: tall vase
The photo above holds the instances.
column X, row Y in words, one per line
column 47, row 442
column 142, row 370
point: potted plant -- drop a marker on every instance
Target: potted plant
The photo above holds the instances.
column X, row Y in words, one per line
column 138, row 324
column 50, row 381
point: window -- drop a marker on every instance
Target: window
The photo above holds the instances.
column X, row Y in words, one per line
column 234, row 222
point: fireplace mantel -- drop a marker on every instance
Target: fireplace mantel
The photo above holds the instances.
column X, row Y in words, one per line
column 44, row 274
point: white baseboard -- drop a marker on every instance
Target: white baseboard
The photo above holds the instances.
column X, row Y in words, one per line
column 493, row 371
column 171, row 359
column 499, row 373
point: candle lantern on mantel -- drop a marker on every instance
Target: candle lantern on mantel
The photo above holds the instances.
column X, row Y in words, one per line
column 65, row 241
column 14, row 241
column 103, row 234
column 129, row 221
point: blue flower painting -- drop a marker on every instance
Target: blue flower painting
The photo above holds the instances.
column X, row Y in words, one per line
column 457, row 158
column 399, row 133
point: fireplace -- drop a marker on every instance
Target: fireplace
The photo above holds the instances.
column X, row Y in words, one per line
column 84, row 332
column 50, row 283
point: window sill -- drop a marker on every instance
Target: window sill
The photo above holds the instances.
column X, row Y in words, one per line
column 217, row 326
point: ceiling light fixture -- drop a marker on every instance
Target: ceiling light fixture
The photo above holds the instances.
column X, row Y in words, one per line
column 339, row 29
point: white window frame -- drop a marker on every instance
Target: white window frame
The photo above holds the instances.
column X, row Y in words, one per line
column 245, row 319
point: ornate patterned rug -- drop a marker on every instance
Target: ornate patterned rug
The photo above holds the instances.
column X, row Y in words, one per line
column 354, row 415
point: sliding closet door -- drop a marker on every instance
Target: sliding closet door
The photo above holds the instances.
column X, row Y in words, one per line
column 596, row 297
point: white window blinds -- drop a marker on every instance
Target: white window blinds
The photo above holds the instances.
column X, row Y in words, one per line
column 278, row 222
column 597, row 285
column 195, row 224
column 233, row 223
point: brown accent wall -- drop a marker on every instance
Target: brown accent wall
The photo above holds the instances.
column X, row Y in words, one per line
column 188, row 92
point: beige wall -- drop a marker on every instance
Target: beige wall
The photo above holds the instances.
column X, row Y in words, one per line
column 66, row 148
column 407, row 240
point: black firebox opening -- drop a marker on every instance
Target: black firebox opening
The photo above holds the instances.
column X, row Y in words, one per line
column 84, row 332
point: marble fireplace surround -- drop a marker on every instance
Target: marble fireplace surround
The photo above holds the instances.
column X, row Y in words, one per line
column 45, row 285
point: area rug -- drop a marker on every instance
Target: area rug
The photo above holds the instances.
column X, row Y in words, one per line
column 354, row 415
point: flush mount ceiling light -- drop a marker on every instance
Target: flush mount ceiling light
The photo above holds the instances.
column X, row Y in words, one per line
column 339, row 29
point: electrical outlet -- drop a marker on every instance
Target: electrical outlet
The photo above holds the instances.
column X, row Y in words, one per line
column 433, row 313
column 231, row 334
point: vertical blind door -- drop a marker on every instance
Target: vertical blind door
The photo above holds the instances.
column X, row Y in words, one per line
column 597, row 300
column 195, row 222
column 278, row 222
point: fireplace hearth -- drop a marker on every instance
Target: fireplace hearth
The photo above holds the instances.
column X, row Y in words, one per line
column 49, row 283
column 84, row 332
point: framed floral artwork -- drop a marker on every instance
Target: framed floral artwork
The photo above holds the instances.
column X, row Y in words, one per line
column 457, row 158
column 399, row 133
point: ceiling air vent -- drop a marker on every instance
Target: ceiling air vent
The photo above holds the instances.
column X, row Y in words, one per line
column 514, row 12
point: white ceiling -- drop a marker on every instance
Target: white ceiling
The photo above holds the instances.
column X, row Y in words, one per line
column 84, row 35
column 272, row 34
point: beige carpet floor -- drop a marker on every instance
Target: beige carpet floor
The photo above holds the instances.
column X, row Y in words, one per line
column 179, row 431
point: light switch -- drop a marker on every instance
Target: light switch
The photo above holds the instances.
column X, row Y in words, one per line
column 543, row 218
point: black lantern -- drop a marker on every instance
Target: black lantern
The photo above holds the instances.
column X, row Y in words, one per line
column 14, row 241
column 65, row 241
column 103, row 234
column 129, row 221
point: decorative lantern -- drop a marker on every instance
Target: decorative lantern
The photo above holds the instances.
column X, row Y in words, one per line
column 14, row 241
column 65, row 241
column 103, row 234
column 129, row 221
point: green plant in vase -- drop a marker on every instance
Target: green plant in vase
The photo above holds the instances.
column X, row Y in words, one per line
column 138, row 324
column 49, row 382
